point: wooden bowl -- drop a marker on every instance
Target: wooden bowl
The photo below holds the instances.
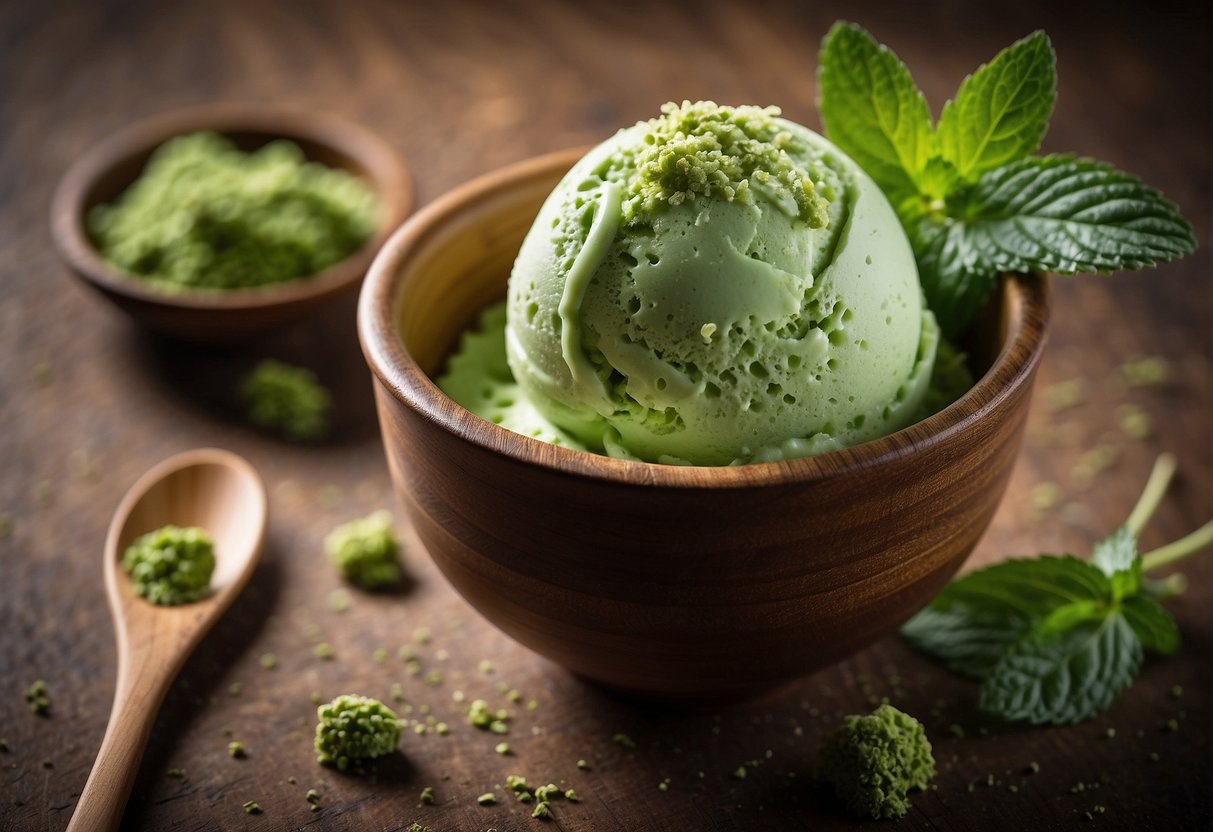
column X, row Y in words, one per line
column 672, row 582
column 109, row 167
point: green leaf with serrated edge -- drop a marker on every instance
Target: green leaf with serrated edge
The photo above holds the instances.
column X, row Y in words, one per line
column 967, row 641
column 955, row 283
column 1154, row 626
column 972, row 620
column 1064, row 677
column 1001, row 111
column 1068, row 215
column 1054, row 213
column 872, row 109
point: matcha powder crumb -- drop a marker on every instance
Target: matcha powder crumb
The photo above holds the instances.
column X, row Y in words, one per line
column 171, row 565
column 286, row 400
column 366, row 551
column 206, row 215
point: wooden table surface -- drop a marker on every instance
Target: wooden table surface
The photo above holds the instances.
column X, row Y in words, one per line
column 87, row 404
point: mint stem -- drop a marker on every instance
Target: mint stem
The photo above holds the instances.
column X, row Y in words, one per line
column 1180, row 549
column 1151, row 496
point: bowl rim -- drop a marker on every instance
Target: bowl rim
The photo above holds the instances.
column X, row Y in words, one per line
column 389, row 175
column 404, row 379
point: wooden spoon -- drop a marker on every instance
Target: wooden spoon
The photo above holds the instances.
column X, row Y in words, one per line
column 221, row 493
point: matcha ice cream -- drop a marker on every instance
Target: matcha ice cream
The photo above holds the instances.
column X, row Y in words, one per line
column 718, row 285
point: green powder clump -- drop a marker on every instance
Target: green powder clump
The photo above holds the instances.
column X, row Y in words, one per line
column 206, row 215
column 701, row 149
column 873, row 761
column 171, row 565
column 354, row 728
column 366, row 551
column 286, row 400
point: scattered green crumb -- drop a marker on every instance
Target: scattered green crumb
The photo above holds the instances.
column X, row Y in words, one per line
column 514, row 696
column 329, row 496
column 583, row 765
column 407, row 653
column 1064, row 394
column 433, row 678
column 663, row 786
column 1154, row 757
column 502, row 748
column 44, row 494
column 739, row 773
column 571, row 795
column 1145, row 371
column 1032, row 768
column 171, row 565
column 234, row 689
column 353, row 728
column 1134, row 421
column 366, row 551
column 623, row 740
column 427, row 796
column 485, row 666
column 397, row 692
column 315, row 697
column 1092, row 463
column 3, row 746
column 541, row 810
column 1012, row 788
column 176, row 773
column 286, row 400
column 1171, row 725
column 379, row 655
column 487, row 799
column 38, row 698
column 42, row 374
column 324, row 651
column 1177, row 691
column 338, row 600
column 873, row 762
column 236, row 749
column 6, row 526
column 442, row 729
column 545, row 794
column 419, row 728
column 292, row 780
column 269, row 661
column 532, row 704
column 312, row 797
column 422, row 635
column 1108, row 734
column 1044, row 496
column 417, row 827
column 480, row 716
column 252, row 808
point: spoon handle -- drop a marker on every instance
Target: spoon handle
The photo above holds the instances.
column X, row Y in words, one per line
column 141, row 688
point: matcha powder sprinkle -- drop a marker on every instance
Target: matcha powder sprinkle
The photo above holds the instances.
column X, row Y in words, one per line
column 206, row 215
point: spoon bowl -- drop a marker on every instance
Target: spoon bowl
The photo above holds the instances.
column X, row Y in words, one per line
column 221, row 493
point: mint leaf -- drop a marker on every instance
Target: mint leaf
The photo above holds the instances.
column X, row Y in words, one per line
column 955, row 281
column 1068, row 215
column 967, row 641
column 973, row 619
column 872, row 109
column 1054, row 213
column 1001, row 111
column 1154, row 626
column 1067, row 676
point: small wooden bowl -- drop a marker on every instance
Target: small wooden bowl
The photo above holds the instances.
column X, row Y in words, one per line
column 673, row 582
column 106, row 170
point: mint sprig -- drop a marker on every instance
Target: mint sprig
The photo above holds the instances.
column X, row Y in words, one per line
column 1055, row 639
column 973, row 201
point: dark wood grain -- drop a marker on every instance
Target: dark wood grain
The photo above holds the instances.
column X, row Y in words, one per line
column 462, row 89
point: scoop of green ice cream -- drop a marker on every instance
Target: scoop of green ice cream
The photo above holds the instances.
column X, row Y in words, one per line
column 718, row 285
